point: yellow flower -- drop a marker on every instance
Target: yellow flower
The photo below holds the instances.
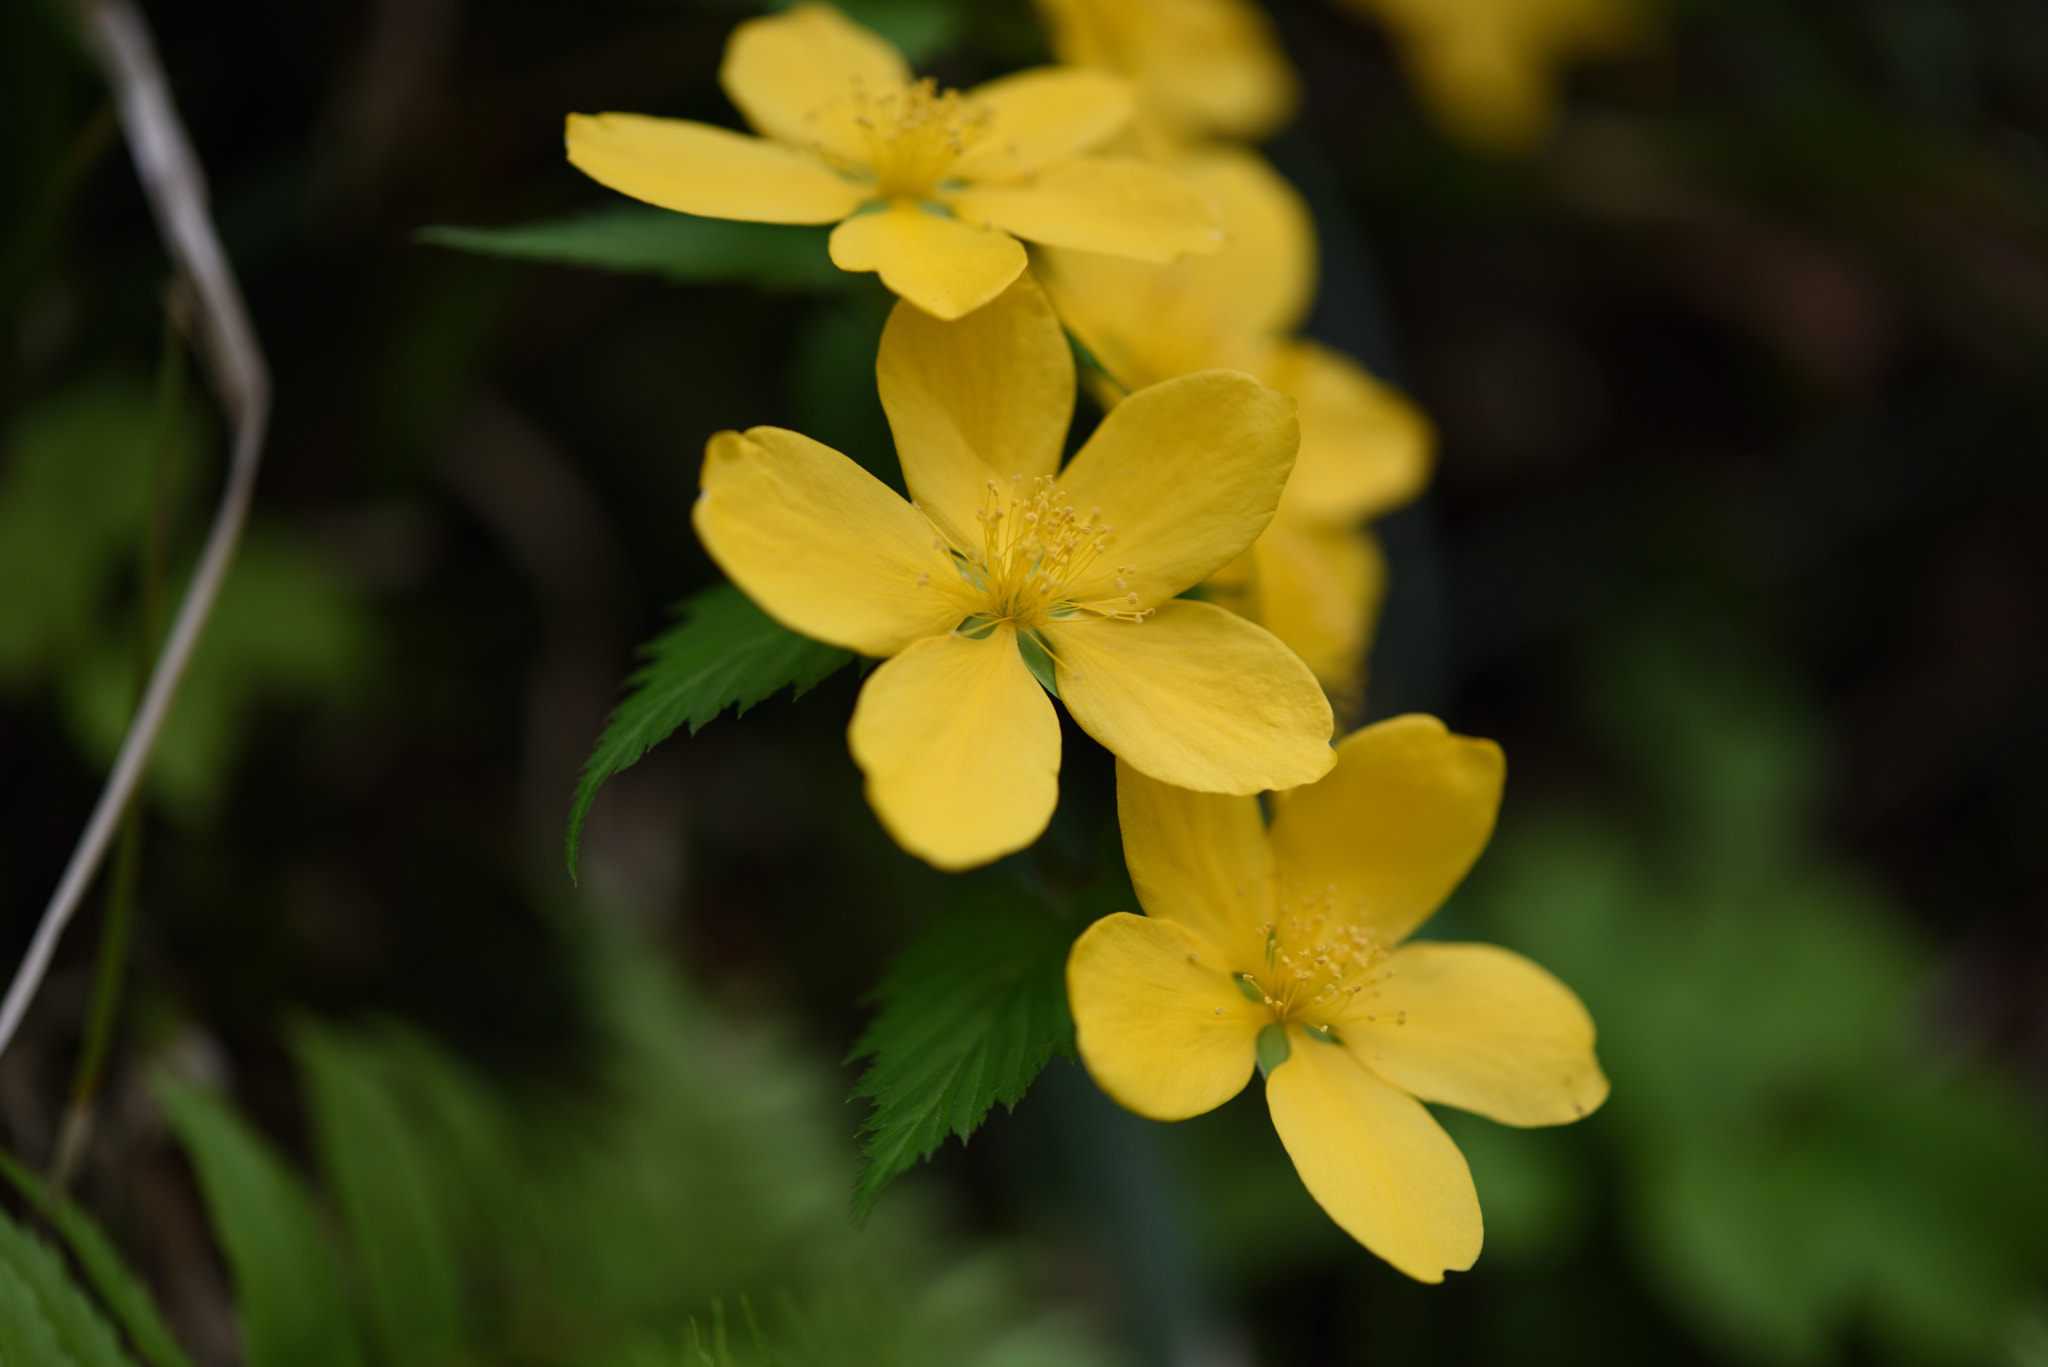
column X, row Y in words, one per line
column 1003, row 559
column 1203, row 68
column 930, row 187
column 1489, row 69
column 1283, row 947
column 1316, row 577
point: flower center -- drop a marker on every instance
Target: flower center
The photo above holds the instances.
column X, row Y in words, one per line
column 1320, row 969
column 915, row 133
column 1034, row 546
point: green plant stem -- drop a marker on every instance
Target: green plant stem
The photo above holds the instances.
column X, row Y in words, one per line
column 110, row 966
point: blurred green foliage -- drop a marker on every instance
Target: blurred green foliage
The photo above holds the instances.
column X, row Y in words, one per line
column 699, row 1170
column 1768, row 315
column 1795, row 1159
column 86, row 470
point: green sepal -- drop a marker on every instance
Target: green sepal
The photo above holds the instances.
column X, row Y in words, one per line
column 1038, row 659
column 1273, row 1048
column 979, row 627
column 1251, row 990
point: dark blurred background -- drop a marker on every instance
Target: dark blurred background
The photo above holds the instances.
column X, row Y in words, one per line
column 1738, row 544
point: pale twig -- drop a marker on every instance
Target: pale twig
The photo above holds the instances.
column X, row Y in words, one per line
column 176, row 188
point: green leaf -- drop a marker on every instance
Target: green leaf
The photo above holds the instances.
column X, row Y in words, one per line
column 971, row 1012
column 1273, row 1049
column 642, row 240
column 26, row 1334
column 725, row 652
column 119, row 1288
column 377, row 1173
column 288, row 1285
column 1038, row 659
column 77, row 1332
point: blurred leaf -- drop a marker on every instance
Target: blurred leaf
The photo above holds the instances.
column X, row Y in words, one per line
column 970, row 1013
column 286, row 627
column 1958, row 1176
column 44, row 1290
column 643, row 240
column 74, row 495
column 1791, row 1179
column 294, row 1304
column 1536, row 1199
column 1747, row 1241
column 26, row 1334
column 725, row 652
column 118, row 1287
column 1716, row 733
column 379, row 1178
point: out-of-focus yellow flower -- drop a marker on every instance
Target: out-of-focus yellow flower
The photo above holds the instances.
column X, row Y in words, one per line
column 1203, row 68
column 1283, row 948
column 1489, row 69
column 1316, row 577
column 932, row 188
column 1004, row 566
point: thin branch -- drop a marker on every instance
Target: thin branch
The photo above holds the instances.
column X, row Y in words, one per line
column 176, row 187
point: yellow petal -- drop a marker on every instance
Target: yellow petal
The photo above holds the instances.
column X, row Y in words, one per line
column 1195, row 697
column 1157, row 1019
column 1366, row 449
column 1041, row 116
column 1206, row 67
column 1319, row 590
column 1396, row 824
column 1265, row 275
column 823, row 546
column 1198, row 859
column 1375, row 1160
column 794, row 76
column 942, row 265
column 982, row 398
column 698, row 169
column 1484, row 1029
column 961, row 749
column 1099, row 204
column 1146, row 323
column 1187, row 473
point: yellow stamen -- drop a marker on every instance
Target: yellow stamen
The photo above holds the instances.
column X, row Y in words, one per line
column 1321, row 967
column 1034, row 547
column 914, row 133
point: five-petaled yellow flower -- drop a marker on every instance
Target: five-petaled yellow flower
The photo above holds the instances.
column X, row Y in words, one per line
column 1489, row 70
column 1283, row 948
column 1004, row 553
column 1203, row 68
column 930, row 187
column 1315, row 578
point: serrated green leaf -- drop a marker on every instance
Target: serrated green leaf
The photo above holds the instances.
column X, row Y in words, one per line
column 120, row 1290
column 971, row 1012
column 725, row 652
column 77, row 1331
column 378, row 1176
column 26, row 1335
column 642, row 240
column 288, row 1284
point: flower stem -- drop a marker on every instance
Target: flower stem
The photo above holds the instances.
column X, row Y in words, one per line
column 110, row 966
